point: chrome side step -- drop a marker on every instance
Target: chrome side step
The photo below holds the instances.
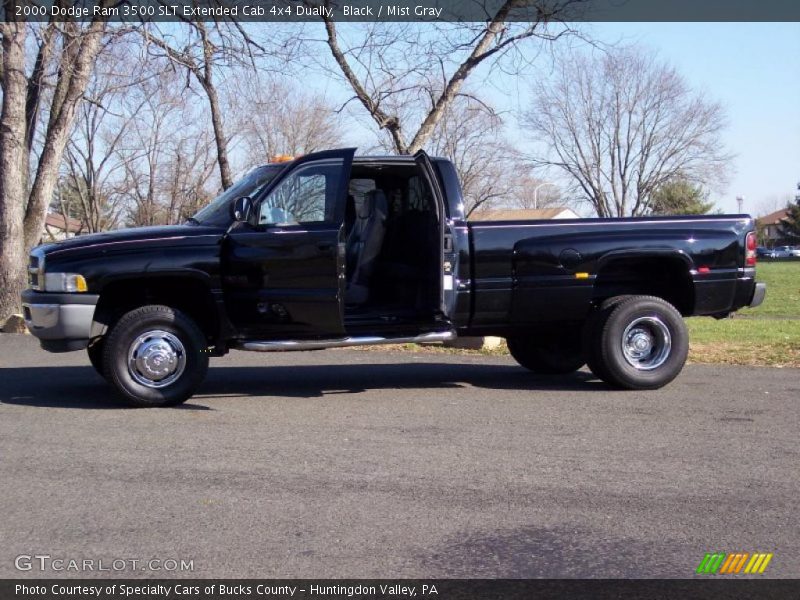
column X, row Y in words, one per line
column 290, row 345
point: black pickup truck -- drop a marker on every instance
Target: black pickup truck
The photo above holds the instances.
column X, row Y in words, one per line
column 332, row 250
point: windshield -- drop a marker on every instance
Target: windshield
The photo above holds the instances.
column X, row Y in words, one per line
column 218, row 211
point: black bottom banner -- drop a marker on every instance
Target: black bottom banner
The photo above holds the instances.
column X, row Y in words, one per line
column 376, row 589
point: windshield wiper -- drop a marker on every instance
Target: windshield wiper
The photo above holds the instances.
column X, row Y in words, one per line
column 193, row 220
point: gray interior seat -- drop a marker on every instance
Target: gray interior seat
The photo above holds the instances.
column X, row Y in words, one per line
column 364, row 244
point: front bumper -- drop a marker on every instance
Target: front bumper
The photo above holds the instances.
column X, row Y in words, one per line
column 759, row 293
column 62, row 322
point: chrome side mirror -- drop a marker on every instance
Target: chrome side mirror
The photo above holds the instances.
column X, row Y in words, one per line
column 241, row 208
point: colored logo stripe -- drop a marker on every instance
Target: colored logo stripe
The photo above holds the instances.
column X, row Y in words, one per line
column 711, row 562
column 758, row 563
column 733, row 563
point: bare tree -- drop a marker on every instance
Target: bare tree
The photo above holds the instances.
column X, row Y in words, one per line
column 471, row 135
column 407, row 77
column 771, row 204
column 165, row 153
column 274, row 116
column 531, row 192
column 187, row 174
column 203, row 49
column 64, row 56
column 93, row 167
column 623, row 123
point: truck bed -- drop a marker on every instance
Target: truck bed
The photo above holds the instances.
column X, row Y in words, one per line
column 552, row 270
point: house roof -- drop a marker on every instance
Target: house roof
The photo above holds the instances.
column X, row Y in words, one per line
column 524, row 214
column 57, row 221
column 773, row 218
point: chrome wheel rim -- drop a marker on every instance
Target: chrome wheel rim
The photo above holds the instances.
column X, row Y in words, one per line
column 646, row 343
column 156, row 359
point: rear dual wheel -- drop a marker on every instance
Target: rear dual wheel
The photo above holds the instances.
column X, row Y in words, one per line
column 550, row 354
column 631, row 342
column 636, row 342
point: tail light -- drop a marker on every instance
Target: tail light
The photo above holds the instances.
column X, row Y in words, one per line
column 750, row 250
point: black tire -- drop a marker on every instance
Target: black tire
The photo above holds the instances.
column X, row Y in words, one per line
column 648, row 320
column 591, row 330
column 95, row 352
column 548, row 355
column 150, row 326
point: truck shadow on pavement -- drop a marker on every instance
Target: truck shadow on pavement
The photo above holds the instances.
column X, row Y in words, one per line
column 62, row 387
column 309, row 381
column 81, row 387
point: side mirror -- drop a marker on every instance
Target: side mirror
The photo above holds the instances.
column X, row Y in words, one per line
column 241, row 208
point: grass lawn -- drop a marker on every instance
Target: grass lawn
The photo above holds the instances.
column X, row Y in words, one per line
column 766, row 335
column 742, row 341
column 783, row 291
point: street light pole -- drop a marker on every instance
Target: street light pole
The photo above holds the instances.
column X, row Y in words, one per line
column 536, row 192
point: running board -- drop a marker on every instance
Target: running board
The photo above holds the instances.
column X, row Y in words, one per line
column 289, row 345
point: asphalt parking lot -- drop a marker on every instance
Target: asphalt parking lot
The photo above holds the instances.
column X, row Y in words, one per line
column 380, row 464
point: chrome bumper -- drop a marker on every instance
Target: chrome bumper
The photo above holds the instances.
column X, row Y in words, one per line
column 758, row 294
column 61, row 321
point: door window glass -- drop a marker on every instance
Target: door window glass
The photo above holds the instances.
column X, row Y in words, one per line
column 307, row 195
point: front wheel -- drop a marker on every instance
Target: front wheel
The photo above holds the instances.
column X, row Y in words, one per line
column 639, row 343
column 155, row 356
column 547, row 355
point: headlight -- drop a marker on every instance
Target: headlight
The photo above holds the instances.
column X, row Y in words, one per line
column 64, row 282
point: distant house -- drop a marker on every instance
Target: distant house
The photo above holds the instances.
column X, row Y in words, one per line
column 525, row 214
column 769, row 228
column 56, row 227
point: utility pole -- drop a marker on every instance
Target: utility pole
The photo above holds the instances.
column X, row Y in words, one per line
column 740, row 202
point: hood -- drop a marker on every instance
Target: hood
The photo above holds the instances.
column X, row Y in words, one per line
column 151, row 236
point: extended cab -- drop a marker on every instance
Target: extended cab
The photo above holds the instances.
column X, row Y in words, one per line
column 333, row 250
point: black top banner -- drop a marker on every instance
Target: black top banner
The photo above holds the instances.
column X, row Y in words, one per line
column 398, row 589
column 133, row 11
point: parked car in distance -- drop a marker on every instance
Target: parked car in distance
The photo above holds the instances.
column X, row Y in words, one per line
column 782, row 252
column 762, row 252
column 333, row 250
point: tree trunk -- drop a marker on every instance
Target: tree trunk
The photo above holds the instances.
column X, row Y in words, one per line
column 206, row 80
column 219, row 136
column 12, row 166
column 58, row 130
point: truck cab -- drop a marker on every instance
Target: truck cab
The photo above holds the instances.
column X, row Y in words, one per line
column 338, row 248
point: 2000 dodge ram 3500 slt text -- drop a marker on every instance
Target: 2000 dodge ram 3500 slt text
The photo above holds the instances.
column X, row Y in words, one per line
column 332, row 250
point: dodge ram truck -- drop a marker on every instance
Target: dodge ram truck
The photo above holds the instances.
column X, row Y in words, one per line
column 332, row 250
